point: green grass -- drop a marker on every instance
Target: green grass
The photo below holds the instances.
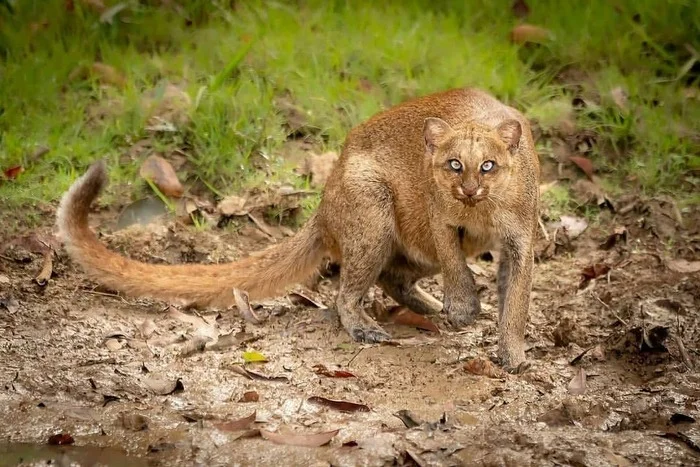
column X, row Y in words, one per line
column 339, row 63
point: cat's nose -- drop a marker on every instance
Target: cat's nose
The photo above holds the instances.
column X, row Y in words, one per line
column 470, row 189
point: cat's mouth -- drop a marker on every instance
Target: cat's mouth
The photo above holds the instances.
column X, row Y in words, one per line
column 470, row 199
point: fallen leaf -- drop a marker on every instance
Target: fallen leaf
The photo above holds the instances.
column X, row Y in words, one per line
column 13, row 172
column 677, row 418
column 683, row 266
column 482, row 367
column 237, row 425
column 403, row 316
column 253, row 356
column 107, row 398
column 574, row 226
column 319, row 167
column 408, row 419
column 114, row 344
column 232, row 206
column 262, row 225
column 61, row 439
column 524, row 33
column 164, row 387
column 577, row 385
column 147, row 328
column 342, row 406
column 133, row 421
column 161, row 173
column 619, row 234
column 297, row 298
column 11, row 304
column 584, row 164
column 619, row 96
column 108, row 74
column 322, row 370
column 311, row 440
column 593, row 272
column 249, row 396
column 520, row 8
column 253, row 375
column 243, row 306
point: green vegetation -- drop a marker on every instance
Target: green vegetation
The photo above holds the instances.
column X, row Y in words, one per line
column 631, row 65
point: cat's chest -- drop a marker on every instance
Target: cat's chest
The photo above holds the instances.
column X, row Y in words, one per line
column 478, row 233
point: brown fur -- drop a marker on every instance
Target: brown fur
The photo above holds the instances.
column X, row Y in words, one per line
column 393, row 211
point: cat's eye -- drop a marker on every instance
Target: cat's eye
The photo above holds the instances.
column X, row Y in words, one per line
column 455, row 165
column 487, row 166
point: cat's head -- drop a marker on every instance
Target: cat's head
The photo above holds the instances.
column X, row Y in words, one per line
column 472, row 163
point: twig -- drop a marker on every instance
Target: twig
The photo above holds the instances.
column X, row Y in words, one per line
column 355, row 356
column 614, row 313
column 685, row 356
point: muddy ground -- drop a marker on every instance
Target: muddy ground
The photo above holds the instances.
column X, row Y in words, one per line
column 136, row 382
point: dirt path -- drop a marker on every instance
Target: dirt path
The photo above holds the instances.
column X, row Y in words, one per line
column 136, row 383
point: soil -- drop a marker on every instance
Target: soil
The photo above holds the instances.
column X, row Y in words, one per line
column 611, row 380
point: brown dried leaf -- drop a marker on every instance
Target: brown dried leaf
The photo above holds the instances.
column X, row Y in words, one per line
column 619, row 96
column 164, row 387
column 319, row 167
column 61, row 439
column 584, row 164
column 482, row 367
column 13, row 172
column 520, row 8
column 311, row 440
column 342, row 406
column 243, row 305
column 683, row 266
column 619, row 234
column 298, row 298
column 161, row 173
column 107, row 74
column 133, row 421
column 233, row 206
column 574, row 226
column 524, row 33
column 322, row 370
column 253, row 375
column 577, row 386
column 249, row 396
column 237, row 425
column 403, row 316
column 595, row 270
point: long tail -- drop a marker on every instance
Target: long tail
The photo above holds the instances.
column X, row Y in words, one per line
column 262, row 274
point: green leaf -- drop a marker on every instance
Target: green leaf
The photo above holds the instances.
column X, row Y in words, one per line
column 252, row 356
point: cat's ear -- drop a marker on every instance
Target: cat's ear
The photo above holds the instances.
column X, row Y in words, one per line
column 510, row 132
column 435, row 132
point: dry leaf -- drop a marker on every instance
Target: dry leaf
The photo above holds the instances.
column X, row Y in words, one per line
column 253, row 375
column 619, row 96
column 319, row 167
column 61, row 439
column 595, row 270
column 342, row 406
column 108, row 74
column 298, row 298
column 232, row 206
column 683, row 266
column 147, row 328
column 311, row 440
column 322, row 370
column 164, row 387
column 619, row 234
column 243, row 306
column 520, row 8
column 577, row 386
column 403, row 316
column 161, row 173
column 524, row 33
column 133, row 421
column 482, row 367
column 13, row 172
column 237, row 425
column 574, row 226
column 249, row 396
column 584, row 164
column 114, row 344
